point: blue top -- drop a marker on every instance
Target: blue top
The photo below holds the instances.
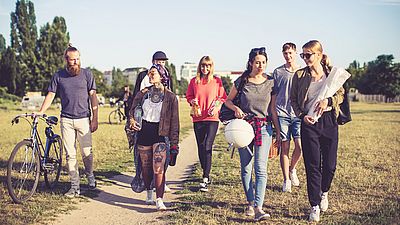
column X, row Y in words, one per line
column 283, row 83
column 74, row 92
column 255, row 98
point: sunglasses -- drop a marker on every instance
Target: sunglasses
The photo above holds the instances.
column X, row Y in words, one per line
column 261, row 50
column 306, row 55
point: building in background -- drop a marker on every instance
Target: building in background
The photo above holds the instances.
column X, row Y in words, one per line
column 233, row 75
column 188, row 70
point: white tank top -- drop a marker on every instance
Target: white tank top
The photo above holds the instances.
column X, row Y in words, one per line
column 151, row 111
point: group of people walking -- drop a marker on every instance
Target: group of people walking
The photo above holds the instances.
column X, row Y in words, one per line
column 279, row 102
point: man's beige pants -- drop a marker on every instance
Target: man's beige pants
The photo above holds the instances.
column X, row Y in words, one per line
column 73, row 130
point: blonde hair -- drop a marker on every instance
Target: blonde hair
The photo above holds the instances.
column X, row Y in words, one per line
column 205, row 60
column 315, row 46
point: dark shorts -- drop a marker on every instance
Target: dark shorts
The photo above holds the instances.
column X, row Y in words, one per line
column 148, row 135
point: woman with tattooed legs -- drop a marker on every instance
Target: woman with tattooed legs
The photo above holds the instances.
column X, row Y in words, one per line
column 158, row 134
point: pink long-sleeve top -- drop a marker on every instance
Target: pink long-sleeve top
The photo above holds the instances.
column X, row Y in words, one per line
column 206, row 93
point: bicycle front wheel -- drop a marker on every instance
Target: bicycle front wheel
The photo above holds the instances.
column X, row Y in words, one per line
column 115, row 117
column 53, row 163
column 23, row 172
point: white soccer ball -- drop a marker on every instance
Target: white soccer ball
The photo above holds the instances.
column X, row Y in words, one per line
column 239, row 133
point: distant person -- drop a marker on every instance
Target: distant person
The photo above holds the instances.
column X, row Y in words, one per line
column 77, row 89
column 257, row 98
column 319, row 139
column 157, row 133
column 289, row 123
column 126, row 98
column 206, row 92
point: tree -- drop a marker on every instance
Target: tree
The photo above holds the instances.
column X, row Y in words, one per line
column 2, row 44
column 182, row 86
column 53, row 40
column 8, row 71
column 118, row 82
column 102, row 88
column 23, row 42
column 381, row 76
column 356, row 74
column 227, row 83
column 171, row 68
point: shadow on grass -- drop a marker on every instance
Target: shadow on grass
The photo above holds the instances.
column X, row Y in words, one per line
column 376, row 111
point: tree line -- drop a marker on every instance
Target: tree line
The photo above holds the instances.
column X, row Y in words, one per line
column 32, row 58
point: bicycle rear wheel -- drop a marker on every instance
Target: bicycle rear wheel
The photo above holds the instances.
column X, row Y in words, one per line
column 23, row 172
column 53, row 164
column 115, row 117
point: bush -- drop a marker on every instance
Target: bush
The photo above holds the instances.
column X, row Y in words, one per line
column 5, row 95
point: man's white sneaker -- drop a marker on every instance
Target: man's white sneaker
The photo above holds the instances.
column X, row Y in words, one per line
column 287, row 186
column 294, row 178
column 149, row 197
column 73, row 192
column 314, row 214
column 324, row 201
column 160, row 204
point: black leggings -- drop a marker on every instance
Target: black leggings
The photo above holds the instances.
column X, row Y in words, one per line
column 319, row 143
column 205, row 132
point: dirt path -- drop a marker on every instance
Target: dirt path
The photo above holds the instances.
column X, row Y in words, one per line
column 118, row 204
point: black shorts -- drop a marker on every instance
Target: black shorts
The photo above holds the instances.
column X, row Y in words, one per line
column 148, row 135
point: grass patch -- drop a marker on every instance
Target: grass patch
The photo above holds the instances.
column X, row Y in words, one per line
column 111, row 157
column 365, row 189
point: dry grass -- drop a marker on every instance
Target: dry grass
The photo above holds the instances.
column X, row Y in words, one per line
column 111, row 156
column 365, row 189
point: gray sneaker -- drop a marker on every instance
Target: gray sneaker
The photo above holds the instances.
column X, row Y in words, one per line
column 92, row 182
column 324, row 202
column 73, row 192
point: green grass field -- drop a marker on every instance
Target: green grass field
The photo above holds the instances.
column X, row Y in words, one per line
column 111, row 157
column 365, row 189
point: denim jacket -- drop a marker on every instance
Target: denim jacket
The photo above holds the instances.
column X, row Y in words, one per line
column 300, row 83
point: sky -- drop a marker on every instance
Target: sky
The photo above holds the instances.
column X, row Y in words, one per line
column 126, row 33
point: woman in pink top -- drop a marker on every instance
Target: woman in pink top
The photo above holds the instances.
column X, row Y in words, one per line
column 205, row 92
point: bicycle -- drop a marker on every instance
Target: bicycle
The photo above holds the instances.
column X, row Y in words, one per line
column 117, row 116
column 30, row 158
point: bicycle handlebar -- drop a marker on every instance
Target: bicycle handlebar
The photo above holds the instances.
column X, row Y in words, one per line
column 33, row 116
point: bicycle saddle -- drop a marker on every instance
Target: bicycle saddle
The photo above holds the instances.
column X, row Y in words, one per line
column 52, row 120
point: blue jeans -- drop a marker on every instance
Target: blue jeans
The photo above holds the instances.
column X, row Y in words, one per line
column 260, row 167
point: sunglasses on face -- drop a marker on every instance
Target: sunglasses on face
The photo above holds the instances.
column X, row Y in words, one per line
column 306, row 55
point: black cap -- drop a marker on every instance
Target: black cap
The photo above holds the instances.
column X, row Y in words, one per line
column 159, row 55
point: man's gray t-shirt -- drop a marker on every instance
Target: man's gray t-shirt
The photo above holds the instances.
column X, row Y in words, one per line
column 283, row 83
column 74, row 92
column 255, row 98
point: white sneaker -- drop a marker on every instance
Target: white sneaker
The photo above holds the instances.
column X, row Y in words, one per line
column 314, row 214
column 324, row 201
column 149, row 198
column 73, row 192
column 287, row 186
column 160, row 204
column 294, row 178
column 261, row 215
column 167, row 189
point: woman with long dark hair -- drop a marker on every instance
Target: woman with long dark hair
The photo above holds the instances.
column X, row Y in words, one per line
column 319, row 139
column 258, row 99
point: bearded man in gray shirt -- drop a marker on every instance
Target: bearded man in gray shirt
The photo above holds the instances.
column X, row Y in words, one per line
column 289, row 123
column 76, row 88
